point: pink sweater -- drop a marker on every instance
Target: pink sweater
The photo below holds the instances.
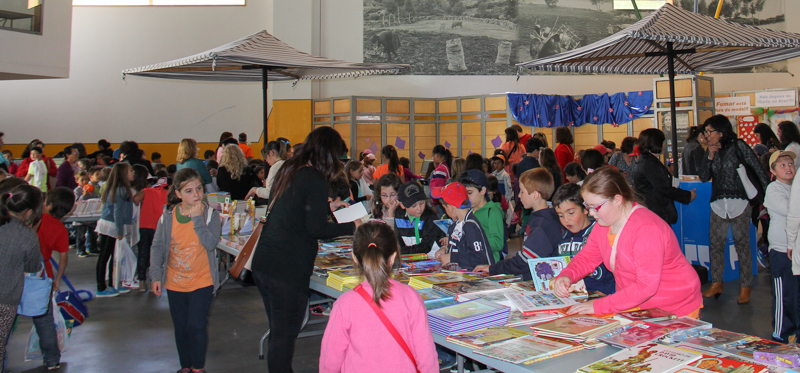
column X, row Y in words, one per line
column 650, row 272
column 356, row 340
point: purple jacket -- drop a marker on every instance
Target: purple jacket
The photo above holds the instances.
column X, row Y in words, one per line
column 65, row 177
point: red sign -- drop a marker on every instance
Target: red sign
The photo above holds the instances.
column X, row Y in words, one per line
column 746, row 125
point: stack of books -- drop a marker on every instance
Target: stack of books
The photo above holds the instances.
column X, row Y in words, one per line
column 344, row 277
column 526, row 348
column 427, row 282
column 650, row 315
column 328, row 261
column 486, row 337
column 535, row 302
column 455, row 289
column 516, row 318
column 337, row 246
column 682, row 326
column 634, row 334
column 576, row 328
column 715, row 364
column 430, row 294
column 646, row 357
column 467, row 317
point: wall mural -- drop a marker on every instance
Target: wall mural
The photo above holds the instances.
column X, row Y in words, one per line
column 488, row 37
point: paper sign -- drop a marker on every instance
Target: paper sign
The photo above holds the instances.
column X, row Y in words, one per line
column 351, row 213
column 777, row 118
column 775, row 98
column 497, row 141
column 730, row 106
column 399, row 143
column 447, row 144
column 746, row 124
column 374, row 148
column 421, row 155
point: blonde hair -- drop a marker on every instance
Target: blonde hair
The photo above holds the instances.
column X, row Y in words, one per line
column 233, row 160
column 186, row 150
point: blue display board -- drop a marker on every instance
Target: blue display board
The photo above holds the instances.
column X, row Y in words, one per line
column 692, row 231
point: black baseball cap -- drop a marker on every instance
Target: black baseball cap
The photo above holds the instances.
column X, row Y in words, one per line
column 410, row 193
column 476, row 177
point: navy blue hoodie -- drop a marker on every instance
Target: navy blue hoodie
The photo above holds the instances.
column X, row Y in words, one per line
column 542, row 235
column 601, row 279
column 467, row 243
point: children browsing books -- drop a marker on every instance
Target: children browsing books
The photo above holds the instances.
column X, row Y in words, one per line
column 490, row 214
column 575, row 219
column 117, row 212
column 85, row 236
column 184, row 264
column 413, row 221
column 355, row 170
column 356, row 339
column 574, row 173
column 649, row 268
column 543, row 231
column 784, row 303
column 467, row 244
column 440, row 176
column 151, row 202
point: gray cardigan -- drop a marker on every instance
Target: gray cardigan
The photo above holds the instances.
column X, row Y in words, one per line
column 208, row 228
column 19, row 248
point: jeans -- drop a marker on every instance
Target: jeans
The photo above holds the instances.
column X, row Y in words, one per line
column 106, row 244
column 48, row 340
column 286, row 307
column 143, row 256
column 189, row 311
column 81, row 243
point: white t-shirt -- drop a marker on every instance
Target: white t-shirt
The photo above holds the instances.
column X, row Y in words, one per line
column 39, row 171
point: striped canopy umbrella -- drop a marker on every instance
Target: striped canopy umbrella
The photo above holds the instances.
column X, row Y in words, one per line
column 259, row 57
column 672, row 40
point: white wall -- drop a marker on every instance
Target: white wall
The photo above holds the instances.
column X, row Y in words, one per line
column 96, row 103
column 29, row 56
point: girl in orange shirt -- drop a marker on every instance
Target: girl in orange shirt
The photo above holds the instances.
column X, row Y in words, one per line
column 182, row 261
column 389, row 155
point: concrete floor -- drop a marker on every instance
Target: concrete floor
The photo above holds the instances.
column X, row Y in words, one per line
column 133, row 332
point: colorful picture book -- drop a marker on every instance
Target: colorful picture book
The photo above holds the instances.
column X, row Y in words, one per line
column 651, row 315
column 427, row 282
column 787, row 356
column 443, row 224
column 522, row 349
column 713, row 338
column 682, row 326
column 439, row 303
column 747, row 346
column 575, row 327
column 534, row 302
column 646, row 357
column 634, row 334
column 712, row 364
column 332, row 261
column 467, row 316
column 486, row 337
column 454, row 289
column 545, row 269
column 430, row 294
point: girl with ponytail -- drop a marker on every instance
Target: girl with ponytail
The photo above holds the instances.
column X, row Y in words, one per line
column 182, row 261
column 20, row 209
column 356, row 338
column 275, row 153
column 391, row 163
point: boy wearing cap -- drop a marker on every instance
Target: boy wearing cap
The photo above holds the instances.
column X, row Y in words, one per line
column 543, row 232
column 490, row 214
column 506, row 188
column 467, row 244
column 413, row 222
column 785, row 318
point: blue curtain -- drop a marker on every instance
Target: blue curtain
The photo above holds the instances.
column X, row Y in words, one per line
column 556, row 111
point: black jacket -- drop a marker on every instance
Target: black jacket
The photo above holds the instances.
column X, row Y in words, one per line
column 692, row 158
column 238, row 188
column 722, row 169
column 140, row 161
column 653, row 181
column 429, row 233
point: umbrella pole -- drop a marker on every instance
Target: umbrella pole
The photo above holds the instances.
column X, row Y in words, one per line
column 264, row 86
column 672, row 109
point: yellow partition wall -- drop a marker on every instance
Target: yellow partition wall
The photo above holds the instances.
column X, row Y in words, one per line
column 397, row 134
column 585, row 136
column 424, row 141
column 495, row 136
column 641, row 124
column 615, row 133
column 448, row 136
column 368, row 136
column 471, row 138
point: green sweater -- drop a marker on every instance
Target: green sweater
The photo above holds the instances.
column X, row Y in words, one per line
column 491, row 218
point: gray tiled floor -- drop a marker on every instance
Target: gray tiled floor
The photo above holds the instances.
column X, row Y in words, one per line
column 133, row 332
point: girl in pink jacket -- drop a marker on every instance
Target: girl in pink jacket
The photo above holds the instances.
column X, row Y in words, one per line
column 356, row 340
column 638, row 247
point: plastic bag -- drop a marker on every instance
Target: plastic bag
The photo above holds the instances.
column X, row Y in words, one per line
column 125, row 262
column 63, row 332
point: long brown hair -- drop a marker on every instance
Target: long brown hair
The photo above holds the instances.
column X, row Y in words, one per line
column 117, row 179
column 321, row 150
column 373, row 246
column 183, row 176
column 607, row 182
column 388, row 180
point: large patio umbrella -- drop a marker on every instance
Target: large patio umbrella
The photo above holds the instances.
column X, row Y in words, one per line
column 654, row 44
column 259, row 57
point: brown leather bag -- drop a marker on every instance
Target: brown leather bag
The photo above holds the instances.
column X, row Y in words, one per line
column 238, row 269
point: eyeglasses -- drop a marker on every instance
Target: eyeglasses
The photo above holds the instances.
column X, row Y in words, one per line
column 709, row 131
column 393, row 195
column 595, row 208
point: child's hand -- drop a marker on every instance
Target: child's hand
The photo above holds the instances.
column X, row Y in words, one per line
column 250, row 193
column 443, row 242
column 586, row 308
column 440, row 252
column 196, row 210
column 155, row 287
column 369, row 197
column 561, row 286
column 445, row 259
column 483, row 268
column 391, row 207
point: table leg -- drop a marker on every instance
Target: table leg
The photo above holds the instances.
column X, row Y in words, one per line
column 460, row 363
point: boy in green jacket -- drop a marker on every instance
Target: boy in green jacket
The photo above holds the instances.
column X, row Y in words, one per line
column 490, row 214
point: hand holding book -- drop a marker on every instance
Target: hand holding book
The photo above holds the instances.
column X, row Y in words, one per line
column 586, row 308
column 561, row 286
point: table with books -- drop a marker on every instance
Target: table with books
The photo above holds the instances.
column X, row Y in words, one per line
column 85, row 211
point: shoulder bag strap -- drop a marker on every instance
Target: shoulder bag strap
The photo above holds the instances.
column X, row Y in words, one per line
column 388, row 324
column 247, row 251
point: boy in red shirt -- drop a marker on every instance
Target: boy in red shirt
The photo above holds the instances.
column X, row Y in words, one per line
column 152, row 201
column 53, row 237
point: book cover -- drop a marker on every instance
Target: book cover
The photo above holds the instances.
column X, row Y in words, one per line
column 714, row 337
column 516, row 318
column 429, row 281
column 463, row 287
column 486, row 337
column 439, row 303
column 652, row 315
column 646, row 357
column 332, row 261
column 634, row 334
column 496, row 296
column 344, row 273
column 521, row 349
column 462, row 312
column 533, row 302
column 787, row 356
column 443, row 224
column 713, row 364
column 575, row 325
column 747, row 346
column 682, row 326
column 545, row 269
column 430, row 294
column 706, row 351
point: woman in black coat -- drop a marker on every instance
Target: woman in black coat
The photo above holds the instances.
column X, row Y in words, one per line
column 653, row 181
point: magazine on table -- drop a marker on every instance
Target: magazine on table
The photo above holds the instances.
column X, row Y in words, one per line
column 486, row 337
column 713, row 364
column 646, row 357
column 521, row 349
column 634, row 334
column 534, row 302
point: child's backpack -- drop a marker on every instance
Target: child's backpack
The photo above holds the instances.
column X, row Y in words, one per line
column 71, row 301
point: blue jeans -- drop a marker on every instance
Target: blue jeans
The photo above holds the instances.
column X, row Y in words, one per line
column 146, row 236
column 48, row 340
column 189, row 311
